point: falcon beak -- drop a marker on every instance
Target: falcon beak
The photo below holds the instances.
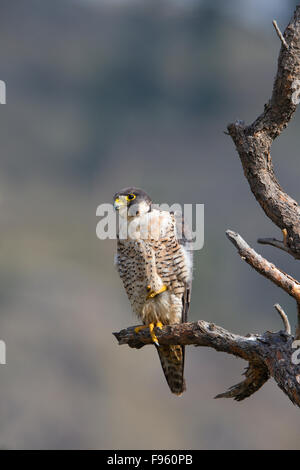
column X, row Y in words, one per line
column 119, row 202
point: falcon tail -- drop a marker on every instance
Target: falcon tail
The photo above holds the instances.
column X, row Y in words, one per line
column 172, row 361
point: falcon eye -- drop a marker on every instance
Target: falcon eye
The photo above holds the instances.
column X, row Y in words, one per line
column 130, row 197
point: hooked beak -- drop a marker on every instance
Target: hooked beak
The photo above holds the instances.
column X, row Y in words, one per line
column 119, row 202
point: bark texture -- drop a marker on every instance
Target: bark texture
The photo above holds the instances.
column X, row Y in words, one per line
column 269, row 355
column 253, row 142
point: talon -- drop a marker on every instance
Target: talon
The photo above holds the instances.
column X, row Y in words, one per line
column 151, row 327
column 153, row 293
column 153, row 335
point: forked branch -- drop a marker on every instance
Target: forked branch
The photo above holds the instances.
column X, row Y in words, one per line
column 269, row 355
column 253, row 142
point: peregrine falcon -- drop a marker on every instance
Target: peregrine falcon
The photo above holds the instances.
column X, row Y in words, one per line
column 155, row 266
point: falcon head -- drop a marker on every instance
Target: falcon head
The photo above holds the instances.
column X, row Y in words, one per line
column 132, row 202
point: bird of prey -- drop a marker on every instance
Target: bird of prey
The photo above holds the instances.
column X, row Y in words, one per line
column 155, row 266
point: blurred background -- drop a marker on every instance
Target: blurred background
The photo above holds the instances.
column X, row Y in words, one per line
column 103, row 95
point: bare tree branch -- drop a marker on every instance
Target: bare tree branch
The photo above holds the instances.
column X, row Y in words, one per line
column 200, row 333
column 269, row 355
column 286, row 282
column 279, row 33
column 284, row 317
column 273, row 242
column 253, row 142
column 256, row 374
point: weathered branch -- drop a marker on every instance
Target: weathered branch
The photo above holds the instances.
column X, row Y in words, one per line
column 256, row 374
column 273, row 242
column 286, row 282
column 269, row 355
column 285, row 320
column 253, row 142
column 200, row 333
column 279, row 34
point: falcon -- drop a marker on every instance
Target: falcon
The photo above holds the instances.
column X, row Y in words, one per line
column 154, row 261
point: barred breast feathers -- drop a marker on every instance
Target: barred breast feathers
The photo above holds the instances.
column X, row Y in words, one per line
column 157, row 225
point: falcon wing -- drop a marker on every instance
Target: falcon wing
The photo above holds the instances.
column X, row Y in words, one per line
column 184, row 237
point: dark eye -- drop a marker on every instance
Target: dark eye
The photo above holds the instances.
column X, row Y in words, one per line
column 130, row 197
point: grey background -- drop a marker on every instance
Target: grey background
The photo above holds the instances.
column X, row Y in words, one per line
column 103, row 95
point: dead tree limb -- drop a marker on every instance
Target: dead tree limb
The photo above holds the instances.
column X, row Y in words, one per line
column 284, row 317
column 283, row 280
column 279, row 34
column 253, row 142
column 286, row 282
column 269, row 355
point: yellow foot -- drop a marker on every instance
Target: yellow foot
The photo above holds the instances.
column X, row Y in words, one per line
column 151, row 327
column 153, row 293
column 153, row 335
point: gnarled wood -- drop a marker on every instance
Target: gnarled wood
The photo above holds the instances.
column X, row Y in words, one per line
column 253, row 142
column 283, row 280
column 269, row 355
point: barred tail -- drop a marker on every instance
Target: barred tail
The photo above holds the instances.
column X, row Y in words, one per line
column 172, row 361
